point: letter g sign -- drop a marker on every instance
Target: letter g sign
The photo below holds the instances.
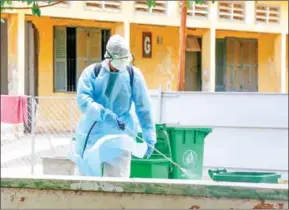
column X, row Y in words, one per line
column 147, row 44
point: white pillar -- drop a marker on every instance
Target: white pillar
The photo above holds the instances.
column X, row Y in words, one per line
column 128, row 9
column 174, row 9
column 213, row 12
column 212, row 59
column 126, row 31
column 208, row 60
column 250, row 12
column 21, row 53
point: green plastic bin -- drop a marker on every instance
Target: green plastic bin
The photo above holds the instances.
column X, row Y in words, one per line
column 242, row 176
column 156, row 166
column 150, row 168
column 187, row 145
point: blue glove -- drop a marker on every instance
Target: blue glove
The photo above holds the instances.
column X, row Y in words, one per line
column 121, row 125
column 150, row 149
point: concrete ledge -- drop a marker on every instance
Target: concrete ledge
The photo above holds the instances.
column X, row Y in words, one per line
column 61, row 165
column 57, row 166
column 203, row 188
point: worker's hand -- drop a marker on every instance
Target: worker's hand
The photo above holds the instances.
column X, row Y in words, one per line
column 110, row 113
column 120, row 124
column 150, row 150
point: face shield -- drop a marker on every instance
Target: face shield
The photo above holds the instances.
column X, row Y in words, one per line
column 119, row 63
column 118, row 52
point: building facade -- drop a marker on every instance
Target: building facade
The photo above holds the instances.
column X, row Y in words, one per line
column 231, row 45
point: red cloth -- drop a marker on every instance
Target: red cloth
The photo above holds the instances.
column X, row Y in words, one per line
column 14, row 109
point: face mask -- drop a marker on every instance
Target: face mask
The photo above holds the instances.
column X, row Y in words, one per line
column 120, row 64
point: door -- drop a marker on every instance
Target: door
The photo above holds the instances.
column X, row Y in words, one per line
column 81, row 50
column 31, row 69
column 105, row 34
column 4, row 58
column 193, row 72
column 220, row 58
column 89, row 48
column 249, row 66
column 94, row 46
column 233, row 67
column 31, row 58
column 60, row 59
column 240, row 67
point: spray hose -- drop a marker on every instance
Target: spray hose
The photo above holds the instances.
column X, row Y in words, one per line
column 159, row 152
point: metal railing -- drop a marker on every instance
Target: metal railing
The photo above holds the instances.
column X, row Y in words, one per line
column 236, row 118
column 49, row 127
column 48, row 130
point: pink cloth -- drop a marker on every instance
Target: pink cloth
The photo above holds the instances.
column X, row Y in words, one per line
column 14, row 109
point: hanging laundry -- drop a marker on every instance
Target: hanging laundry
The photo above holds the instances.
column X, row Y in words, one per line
column 14, row 109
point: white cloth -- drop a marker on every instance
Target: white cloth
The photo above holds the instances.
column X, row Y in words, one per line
column 119, row 167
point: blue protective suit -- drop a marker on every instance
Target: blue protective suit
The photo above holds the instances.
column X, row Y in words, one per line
column 101, row 99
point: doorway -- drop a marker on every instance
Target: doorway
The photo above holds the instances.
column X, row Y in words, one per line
column 75, row 48
column 71, row 58
column 31, row 58
column 31, row 70
column 4, row 58
column 193, row 66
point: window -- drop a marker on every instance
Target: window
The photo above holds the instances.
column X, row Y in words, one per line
column 267, row 13
column 160, row 8
column 199, row 10
column 231, row 10
column 75, row 49
column 103, row 5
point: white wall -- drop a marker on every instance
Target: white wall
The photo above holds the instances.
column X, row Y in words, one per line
column 250, row 130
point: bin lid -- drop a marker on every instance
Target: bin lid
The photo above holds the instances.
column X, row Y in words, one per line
column 243, row 176
column 186, row 127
